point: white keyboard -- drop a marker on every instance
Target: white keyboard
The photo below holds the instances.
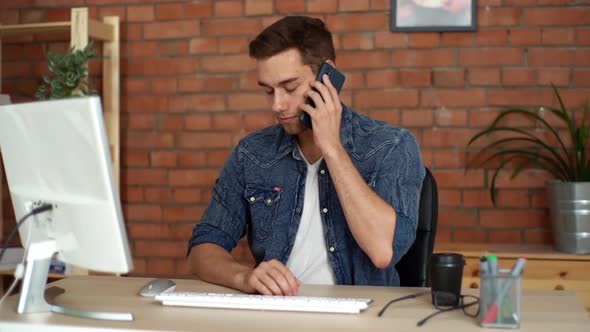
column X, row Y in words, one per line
column 265, row 302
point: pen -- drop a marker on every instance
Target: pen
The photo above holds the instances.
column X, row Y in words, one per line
column 492, row 313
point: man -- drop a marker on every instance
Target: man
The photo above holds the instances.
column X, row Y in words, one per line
column 334, row 205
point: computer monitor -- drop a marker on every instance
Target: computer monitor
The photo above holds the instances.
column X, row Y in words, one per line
column 56, row 152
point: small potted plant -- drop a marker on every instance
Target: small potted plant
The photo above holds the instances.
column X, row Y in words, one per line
column 68, row 74
column 569, row 165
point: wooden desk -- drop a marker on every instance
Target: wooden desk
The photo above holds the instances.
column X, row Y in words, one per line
column 547, row 269
column 542, row 311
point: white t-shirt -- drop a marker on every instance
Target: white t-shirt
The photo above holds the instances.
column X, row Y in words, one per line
column 309, row 257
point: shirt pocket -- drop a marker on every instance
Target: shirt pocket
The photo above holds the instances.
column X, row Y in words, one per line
column 264, row 206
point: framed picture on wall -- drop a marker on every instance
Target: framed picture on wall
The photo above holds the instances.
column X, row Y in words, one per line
column 433, row 15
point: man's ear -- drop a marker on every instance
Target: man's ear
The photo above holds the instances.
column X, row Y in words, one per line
column 331, row 63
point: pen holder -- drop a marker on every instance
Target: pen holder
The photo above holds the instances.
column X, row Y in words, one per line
column 500, row 297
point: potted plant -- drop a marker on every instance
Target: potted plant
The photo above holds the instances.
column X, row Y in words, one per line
column 569, row 165
column 68, row 74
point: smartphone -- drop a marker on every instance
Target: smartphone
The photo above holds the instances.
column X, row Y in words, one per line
column 337, row 79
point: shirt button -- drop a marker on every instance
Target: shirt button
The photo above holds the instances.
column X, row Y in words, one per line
column 252, row 199
column 298, row 210
column 268, row 201
column 332, row 249
column 324, row 210
column 322, row 172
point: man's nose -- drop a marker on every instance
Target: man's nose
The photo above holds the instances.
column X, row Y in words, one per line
column 279, row 101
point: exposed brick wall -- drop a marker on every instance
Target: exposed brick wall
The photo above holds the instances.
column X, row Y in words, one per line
column 189, row 94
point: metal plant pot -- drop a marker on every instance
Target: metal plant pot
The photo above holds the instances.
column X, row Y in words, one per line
column 570, row 215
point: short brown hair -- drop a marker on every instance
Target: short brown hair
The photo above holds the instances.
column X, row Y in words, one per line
column 308, row 35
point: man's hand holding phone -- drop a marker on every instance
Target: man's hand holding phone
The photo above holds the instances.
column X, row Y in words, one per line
column 324, row 109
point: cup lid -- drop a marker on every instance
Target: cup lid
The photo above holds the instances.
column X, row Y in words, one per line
column 445, row 258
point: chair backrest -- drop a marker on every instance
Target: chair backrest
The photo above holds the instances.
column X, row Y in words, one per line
column 413, row 267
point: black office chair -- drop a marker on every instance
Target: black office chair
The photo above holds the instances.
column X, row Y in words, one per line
column 413, row 267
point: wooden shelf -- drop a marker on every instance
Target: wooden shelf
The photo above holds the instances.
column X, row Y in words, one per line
column 546, row 268
column 81, row 28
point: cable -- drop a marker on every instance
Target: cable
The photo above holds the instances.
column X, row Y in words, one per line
column 19, row 271
column 411, row 296
column 37, row 210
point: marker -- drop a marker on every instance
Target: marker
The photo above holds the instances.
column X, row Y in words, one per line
column 493, row 262
column 492, row 314
column 483, row 266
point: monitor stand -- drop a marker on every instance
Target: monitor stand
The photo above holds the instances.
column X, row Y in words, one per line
column 32, row 297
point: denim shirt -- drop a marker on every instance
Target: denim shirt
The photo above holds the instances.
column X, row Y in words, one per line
column 261, row 187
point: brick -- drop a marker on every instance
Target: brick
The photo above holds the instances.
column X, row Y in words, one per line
column 144, row 104
column 491, row 56
column 415, row 118
column 169, row 12
column 171, row 30
column 505, row 236
column 198, row 122
column 415, row 77
column 140, row 13
column 191, row 84
column 381, row 78
column 519, row 98
column 143, row 231
column 459, row 178
column 170, row 66
column 365, row 59
column 31, row 16
column 451, row 117
column 385, row 98
column 572, row 16
column 199, row 9
column 353, row 5
column 390, row 116
column 203, row 140
column 258, row 7
column 557, row 76
column 477, row 198
column 492, row 37
column 247, row 102
column 423, row 40
column 256, row 121
column 453, row 97
column 187, row 195
column 180, row 214
column 534, row 236
column 227, row 122
column 449, row 198
column 355, row 22
column 236, row 27
column 483, row 76
column 513, row 218
column 132, row 194
column 11, row 16
column 184, row 178
column 424, row 58
column 161, row 267
column 449, row 78
column 581, row 78
column 357, row 41
column 456, row 217
column 227, row 63
column 290, row 7
column 149, row 140
column 469, row 235
column 390, row 40
column 135, row 121
column 163, row 159
column 192, row 159
column 233, row 45
column 196, row 103
column 158, row 195
column 448, row 159
column 582, row 36
column 228, row 8
column 135, row 159
column 322, row 6
column 519, row 77
column 513, row 198
column 558, row 36
column 142, row 212
column 170, row 122
column 525, row 37
column 120, row 12
column 164, row 86
column 220, row 83
column 457, row 39
column 217, row 158
column 498, row 17
column 162, row 248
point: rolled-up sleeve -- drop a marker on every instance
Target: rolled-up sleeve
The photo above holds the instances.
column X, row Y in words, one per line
column 399, row 182
column 224, row 221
